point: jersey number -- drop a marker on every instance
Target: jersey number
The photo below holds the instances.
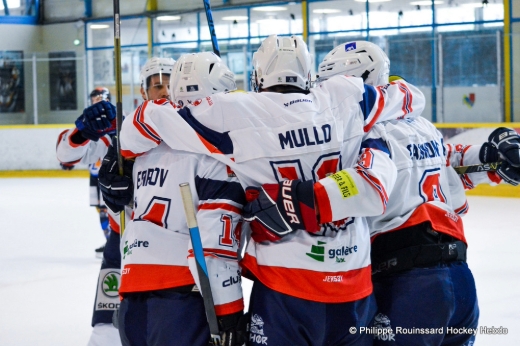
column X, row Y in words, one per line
column 226, row 238
column 430, row 186
column 157, row 211
column 292, row 169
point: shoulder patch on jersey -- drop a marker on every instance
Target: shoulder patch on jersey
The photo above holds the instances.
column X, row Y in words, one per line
column 345, row 183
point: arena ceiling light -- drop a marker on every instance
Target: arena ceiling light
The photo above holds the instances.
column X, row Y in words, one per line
column 426, row 2
column 326, row 10
column 99, row 26
column 235, row 18
column 166, row 18
column 269, row 8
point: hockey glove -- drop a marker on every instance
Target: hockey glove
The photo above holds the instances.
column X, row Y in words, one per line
column 234, row 329
column 509, row 174
column 276, row 210
column 117, row 190
column 97, row 120
column 507, row 142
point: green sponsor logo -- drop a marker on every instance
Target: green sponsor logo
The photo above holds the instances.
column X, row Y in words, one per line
column 338, row 255
column 318, row 252
column 111, row 284
column 127, row 250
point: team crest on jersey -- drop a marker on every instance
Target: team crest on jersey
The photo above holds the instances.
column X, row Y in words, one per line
column 256, row 332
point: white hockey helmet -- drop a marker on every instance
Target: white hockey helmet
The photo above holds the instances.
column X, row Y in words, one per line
column 198, row 75
column 155, row 66
column 281, row 61
column 359, row 59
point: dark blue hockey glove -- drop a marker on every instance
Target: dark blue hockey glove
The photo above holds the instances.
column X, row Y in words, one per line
column 276, row 210
column 117, row 190
column 488, row 153
column 507, row 142
column 510, row 174
column 97, row 120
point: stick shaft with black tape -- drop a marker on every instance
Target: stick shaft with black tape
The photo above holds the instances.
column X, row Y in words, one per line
column 211, row 25
column 119, row 97
column 202, row 269
column 483, row 167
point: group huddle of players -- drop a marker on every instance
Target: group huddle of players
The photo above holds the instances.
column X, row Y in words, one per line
column 334, row 196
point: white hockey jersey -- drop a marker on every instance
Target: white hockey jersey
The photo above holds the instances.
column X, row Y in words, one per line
column 156, row 244
column 270, row 137
column 427, row 188
column 88, row 152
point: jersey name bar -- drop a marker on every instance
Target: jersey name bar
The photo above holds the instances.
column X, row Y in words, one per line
column 424, row 150
column 305, row 137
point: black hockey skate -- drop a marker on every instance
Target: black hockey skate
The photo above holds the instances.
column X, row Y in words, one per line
column 99, row 251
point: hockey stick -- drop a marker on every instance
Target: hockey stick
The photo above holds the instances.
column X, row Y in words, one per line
column 119, row 98
column 202, row 270
column 207, row 8
column 483, row 167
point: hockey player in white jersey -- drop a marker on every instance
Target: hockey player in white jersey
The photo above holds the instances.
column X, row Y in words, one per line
column 89, row 145
column 160, row 303
column 287, row 131
column 418, row 244
column 74, row 146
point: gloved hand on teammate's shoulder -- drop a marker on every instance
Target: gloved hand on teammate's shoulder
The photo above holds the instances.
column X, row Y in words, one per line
column 502, row 143
column 97, row 120
column 233, row 328
column 510, row 174
column 276, row 210
column 117, row 190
